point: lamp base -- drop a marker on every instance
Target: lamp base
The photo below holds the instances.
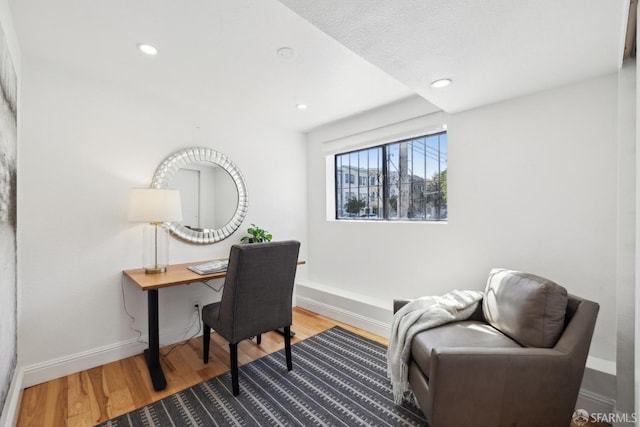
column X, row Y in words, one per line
column 155, row 257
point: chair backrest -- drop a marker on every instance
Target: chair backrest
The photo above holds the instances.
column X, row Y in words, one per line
column 528, row 308
column 258, row 288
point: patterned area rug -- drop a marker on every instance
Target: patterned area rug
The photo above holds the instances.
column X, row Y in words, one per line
column 338, row 379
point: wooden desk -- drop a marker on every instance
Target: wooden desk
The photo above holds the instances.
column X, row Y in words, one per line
column 176, row 274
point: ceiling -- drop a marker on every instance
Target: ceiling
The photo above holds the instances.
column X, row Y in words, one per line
column 219, row 57
column 491, row 50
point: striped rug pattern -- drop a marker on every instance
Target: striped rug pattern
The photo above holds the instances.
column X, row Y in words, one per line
column 338, row 379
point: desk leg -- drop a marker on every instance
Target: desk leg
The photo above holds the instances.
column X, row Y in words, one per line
column 152, row 354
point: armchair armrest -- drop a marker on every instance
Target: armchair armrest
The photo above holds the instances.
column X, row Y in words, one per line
column 520, row 383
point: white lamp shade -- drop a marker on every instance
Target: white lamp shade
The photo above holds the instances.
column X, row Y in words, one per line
column 155, row 205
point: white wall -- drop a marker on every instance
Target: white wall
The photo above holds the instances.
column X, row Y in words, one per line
column 626, row 253
column 532, row 187
column 637, row 244
column 84, row 143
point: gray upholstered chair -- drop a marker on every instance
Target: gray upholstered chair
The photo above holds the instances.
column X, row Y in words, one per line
column 519, row 360
column 256, row 298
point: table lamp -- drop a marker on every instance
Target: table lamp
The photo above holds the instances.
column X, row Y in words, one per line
column 155, row 206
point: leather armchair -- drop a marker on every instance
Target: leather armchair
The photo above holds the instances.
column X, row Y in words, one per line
column 256, row 298
column 500, row 368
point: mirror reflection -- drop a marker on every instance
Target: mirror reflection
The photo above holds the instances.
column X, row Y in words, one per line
column 213, row 193
column 208, row 194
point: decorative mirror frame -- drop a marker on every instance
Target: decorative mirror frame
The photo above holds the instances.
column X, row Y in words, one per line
column 170, row 166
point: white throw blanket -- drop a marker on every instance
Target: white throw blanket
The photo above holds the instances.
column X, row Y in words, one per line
column 417, row 316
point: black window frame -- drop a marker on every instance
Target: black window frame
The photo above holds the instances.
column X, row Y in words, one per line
column 430, row 194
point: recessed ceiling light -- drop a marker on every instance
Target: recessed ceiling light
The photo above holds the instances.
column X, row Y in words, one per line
column 147, row 49
column 301, row 106
column 285, row 53
column 440, row 83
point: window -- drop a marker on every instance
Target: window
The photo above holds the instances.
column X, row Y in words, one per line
column 404, row 180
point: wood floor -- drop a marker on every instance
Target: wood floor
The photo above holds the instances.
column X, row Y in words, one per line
column 96, row 395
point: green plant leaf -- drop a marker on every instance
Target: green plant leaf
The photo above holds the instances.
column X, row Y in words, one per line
column 259, row 235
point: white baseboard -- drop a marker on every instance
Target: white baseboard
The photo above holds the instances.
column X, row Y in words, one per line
column 9, row 416
column 354, row 319
column 67, row 365
column 595, row 403
column 38, row 373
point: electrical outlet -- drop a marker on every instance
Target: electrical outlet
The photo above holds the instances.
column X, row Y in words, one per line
column 196, row 306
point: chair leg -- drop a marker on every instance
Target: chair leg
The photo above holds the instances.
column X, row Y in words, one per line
column 287, row 346
column 233, row 356
column 258, row 339
column 206, row 339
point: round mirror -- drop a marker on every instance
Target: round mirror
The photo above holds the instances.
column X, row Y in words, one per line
column 212, row 191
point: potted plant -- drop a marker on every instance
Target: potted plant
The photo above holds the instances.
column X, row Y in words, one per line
column 257, row 235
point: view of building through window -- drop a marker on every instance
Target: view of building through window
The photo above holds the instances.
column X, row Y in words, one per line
column 404, row 180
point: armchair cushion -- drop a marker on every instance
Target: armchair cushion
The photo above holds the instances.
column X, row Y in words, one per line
column 528, row 308
column 468, row 334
